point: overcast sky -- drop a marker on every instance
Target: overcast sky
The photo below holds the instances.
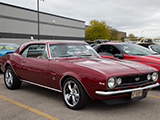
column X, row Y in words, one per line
column 131, row 16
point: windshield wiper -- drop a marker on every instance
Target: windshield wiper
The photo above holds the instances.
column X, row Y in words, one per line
column 85, row 55
column 65, row 55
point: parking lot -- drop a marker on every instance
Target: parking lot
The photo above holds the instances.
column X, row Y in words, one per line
column 36, row 103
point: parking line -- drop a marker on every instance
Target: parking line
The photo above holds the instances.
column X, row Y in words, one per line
column 29, row 108
column 153, row 96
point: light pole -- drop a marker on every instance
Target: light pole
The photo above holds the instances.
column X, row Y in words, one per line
column 38, row 18
column 141, row 33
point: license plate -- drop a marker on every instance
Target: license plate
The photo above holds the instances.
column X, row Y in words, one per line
column 136, row 94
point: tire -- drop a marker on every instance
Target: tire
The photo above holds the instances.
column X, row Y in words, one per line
column 10, row 79
column 74, row 95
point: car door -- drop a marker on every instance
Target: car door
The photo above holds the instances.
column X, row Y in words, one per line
column 34, row 64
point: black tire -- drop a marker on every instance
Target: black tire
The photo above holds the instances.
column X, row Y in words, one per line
column 74, row 95
column 10, row 79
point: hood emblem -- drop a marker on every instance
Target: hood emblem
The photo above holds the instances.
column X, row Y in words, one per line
column 137, row 79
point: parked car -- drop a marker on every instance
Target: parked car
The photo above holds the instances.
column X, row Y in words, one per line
column 7, row 48
column 152, row 47
column 76, row 70
column 149, row 41
column 129, row 52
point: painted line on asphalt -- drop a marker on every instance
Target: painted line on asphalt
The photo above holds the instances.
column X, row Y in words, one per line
column 29, row 108
column 153, row 96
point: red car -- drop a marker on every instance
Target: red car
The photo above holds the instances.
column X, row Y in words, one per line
column 76, row 70
column 129, row 52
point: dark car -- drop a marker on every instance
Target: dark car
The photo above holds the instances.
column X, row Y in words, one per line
column 152, row 47
column 76, row 70
column 129, row 52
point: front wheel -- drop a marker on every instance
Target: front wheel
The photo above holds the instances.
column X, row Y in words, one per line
column 10, row 79
column 74, row 95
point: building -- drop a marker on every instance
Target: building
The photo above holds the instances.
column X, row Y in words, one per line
column 19, row 25
column 121, row 35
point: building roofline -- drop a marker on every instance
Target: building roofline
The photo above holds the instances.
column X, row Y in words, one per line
column 40, row 12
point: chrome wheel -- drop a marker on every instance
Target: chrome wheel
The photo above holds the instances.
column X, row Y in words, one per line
column 8, row 78
column 71, row 93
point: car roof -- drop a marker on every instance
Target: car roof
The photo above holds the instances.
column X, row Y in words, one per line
column 47, row 42
column 7, row 43
column 55, row 41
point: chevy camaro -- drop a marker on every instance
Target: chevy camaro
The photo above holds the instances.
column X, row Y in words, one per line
column 76, row 70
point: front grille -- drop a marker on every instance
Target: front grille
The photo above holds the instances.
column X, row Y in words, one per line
column 130, row 80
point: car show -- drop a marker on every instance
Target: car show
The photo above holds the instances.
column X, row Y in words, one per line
column 62, row 67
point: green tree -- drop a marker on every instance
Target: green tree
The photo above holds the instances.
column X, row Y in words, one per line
column 114, row 34
column 132, row 37
column 97, row 30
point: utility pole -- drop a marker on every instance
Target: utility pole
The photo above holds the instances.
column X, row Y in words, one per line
column 38, row 16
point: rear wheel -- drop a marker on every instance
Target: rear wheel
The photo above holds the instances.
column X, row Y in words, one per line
column 10, row 79
column 74, row 95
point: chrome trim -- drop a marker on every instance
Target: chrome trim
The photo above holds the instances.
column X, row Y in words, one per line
column 127, row 90
column 41, row 85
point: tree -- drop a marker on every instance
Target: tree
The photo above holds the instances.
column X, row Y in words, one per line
column 114, row 34
column 97, row 30
column 132, row 37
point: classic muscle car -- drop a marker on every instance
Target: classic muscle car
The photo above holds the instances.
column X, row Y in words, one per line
column 149, row 41
column 76, row 70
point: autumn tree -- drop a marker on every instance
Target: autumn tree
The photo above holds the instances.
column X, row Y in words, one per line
column 97, row 30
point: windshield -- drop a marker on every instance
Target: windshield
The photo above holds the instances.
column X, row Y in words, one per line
column 136, row 50
column 155, row 48
column 71, row 50
column 8, row 46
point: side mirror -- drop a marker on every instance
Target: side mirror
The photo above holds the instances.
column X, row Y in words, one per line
column 120, row 56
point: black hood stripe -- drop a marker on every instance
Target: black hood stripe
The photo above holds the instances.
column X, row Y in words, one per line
column 135, row 61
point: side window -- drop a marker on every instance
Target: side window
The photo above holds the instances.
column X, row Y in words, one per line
column 44, row 54
column 108, row 50
column 148, row 40
column 142, row 40
column 34, row 51
column 24, row 54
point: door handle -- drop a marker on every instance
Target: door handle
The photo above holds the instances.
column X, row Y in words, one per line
column 23, row 61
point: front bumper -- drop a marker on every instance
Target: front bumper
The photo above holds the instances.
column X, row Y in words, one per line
column 127, row 90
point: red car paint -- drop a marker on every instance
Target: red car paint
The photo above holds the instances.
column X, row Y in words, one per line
column 151, row 60
column 91, row 71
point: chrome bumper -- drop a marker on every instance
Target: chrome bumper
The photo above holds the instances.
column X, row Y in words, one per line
column 127, row 90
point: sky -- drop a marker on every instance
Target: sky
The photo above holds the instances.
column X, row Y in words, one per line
column 138, row 17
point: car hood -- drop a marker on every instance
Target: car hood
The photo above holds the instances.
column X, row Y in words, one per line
column 113, row 67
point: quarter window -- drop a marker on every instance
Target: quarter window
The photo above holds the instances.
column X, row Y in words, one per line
column 35, row 51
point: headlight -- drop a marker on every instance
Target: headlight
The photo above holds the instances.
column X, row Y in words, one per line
column 155, row 76
column 148, row 77
column 119, row 81
column 111, row 82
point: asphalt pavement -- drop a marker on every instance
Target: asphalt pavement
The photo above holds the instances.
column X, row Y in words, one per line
column 35, row 103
